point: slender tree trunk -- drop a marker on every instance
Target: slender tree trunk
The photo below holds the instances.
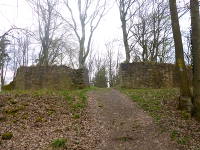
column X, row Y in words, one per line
column 110, row 72
column 185, row 93
column 2, row 76
column 194, row 4
column 81, row 55
column 125, row 39
column 82, row 43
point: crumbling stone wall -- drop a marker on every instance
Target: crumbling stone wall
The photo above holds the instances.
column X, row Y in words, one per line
column 147, row 75
column 50, row 77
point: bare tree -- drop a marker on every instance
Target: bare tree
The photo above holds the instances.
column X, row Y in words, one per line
column 99, row 62
column 110, row 62
column 151, row 31
column 187, row 47
column 100, row 73
column 22, row 53
column 90, row 14
column 185, row 98
column 124, row 9
column 194, row 6
column 100, row 79
column 48, row 24
column 69, row 53
column 90, row 65
column 5, row 40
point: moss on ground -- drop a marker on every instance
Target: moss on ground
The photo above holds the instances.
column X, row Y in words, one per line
column 59, row 143
column 7, row 136
column 152, row 100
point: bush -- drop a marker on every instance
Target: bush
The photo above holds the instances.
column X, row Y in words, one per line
column 9, row 87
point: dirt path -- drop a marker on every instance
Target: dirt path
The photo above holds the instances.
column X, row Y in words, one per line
column 124, row 126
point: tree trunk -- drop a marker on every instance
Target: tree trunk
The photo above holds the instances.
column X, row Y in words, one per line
column 185, row 93
column 81, row 54
column 2, row 76
column 125, row 39
column 194, row 4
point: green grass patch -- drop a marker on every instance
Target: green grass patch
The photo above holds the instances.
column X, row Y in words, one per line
column 151, row 99
column 183, row 140
column 174, row 134
column 59, row 143
column 76, row 116
column 77, row 99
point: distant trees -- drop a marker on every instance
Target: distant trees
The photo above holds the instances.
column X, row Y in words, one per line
column 23, row 44
column 151, row 31
column 90, row 13
column 19, row 50
column 6, row 40
column 146, row 33
column 100, row 79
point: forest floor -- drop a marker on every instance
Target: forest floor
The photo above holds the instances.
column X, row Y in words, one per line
column 95, row 119
column 45, row 120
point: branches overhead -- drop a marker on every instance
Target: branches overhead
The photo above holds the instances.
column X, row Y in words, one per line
column 90, row 13
column 152, row 31
column 48, row 24
column 146, row 29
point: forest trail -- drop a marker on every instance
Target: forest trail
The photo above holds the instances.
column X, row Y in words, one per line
column 123, row 125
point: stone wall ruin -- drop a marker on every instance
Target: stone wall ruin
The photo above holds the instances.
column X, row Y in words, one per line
column 147, row 75
column 50, row 77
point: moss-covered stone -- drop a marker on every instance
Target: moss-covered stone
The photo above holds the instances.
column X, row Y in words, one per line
column 7, row 136
column 50, row 77
column 149, row 75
